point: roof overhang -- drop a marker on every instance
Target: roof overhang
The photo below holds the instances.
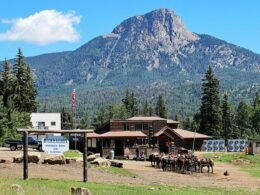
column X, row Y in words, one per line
column 118, row 134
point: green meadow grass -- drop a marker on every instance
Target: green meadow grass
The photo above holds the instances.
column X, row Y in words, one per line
column 227, row 157
column 118, row 171
column 72, row 154
column 63, row 187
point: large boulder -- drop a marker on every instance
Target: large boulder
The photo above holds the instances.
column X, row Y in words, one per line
column 91, row 157
column 18, row 158
column 55, row 160
column 32, row 158
column 101, row 162
column 18, row 189
column 74, row 160
column 80, row 191
column 116, row 164
column 5, row 161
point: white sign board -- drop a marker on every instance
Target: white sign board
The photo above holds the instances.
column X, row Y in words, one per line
column 55, row 145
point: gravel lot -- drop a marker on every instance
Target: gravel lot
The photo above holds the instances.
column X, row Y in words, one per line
column 145, row 174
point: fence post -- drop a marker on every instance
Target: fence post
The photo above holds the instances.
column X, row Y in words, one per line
column 25, row 155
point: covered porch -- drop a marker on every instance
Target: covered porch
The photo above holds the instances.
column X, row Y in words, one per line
column 123, row 143
column 169, row 139
column 165, row 140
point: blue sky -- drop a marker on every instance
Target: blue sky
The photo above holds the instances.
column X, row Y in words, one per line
column 74, row 22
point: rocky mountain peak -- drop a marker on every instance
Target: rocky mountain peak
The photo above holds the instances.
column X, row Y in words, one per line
column 162, row 25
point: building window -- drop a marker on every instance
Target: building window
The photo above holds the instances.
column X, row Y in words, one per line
column 106, row 143
column 145, row 126
column 141, row 127
column 126, row 127
column 138, row 127
column 142, row 141
column 94, row 143
column 89, row 143
column 41, row 125
column 53, row 123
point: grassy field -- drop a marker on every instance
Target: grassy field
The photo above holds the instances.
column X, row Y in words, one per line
column 119, row 171
column 43, row 186
column 248, row 163
column 114, row 170
column 72, row 153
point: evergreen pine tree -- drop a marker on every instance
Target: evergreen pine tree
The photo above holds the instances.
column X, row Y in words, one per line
column 242, row 118
column 187, row 123
column 3, row 120
column 210, row 110
column 126, row 100
column 146, row 109
column 161, row 110
column 133, row 105
column 256, row 101
column 46, row 106
column 66, row 119
column 255, row 120
column 25, row 91
column 255, row 116
column 31, row 104
column 177, row 118
column 84, row 122
column 150, row 109
column 9, row 79
column 226, row 118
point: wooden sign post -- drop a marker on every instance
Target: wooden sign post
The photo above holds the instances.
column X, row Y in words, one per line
column 26, row 132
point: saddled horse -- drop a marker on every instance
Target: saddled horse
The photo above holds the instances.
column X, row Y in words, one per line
column 206, row 163
column 181, row 163
column 169, row 162
column 155, row 159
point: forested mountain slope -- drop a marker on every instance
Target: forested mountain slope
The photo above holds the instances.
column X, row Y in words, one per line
column 153, row 53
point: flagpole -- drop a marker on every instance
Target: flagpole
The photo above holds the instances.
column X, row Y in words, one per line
column 74, row 125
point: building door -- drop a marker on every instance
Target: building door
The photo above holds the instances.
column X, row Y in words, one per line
column 164, row 146
column 119, row 148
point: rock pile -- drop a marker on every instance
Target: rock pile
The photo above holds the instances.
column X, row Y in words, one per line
column 55, row 159
column 32, row 158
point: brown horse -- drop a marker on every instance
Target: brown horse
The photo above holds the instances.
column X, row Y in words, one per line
column 206, row 163
column 181, row 163
column 155, row 159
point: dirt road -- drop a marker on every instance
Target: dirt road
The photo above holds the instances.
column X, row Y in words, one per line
column 145, row 174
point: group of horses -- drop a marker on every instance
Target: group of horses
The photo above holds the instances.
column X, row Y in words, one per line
column 181, row 163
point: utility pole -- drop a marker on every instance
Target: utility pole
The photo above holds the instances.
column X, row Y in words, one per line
column 193, row 144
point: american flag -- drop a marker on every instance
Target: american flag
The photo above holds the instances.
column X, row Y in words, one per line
column 73, row 98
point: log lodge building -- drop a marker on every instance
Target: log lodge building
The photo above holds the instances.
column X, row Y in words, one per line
column 146, row 133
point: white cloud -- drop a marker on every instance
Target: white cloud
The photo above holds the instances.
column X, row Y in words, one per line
column 44, row 27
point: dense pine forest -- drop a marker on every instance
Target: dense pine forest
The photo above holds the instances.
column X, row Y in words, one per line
column 17, row 96
column 217, row 115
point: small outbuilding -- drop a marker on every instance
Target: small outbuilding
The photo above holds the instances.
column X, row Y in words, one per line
column 254, row 147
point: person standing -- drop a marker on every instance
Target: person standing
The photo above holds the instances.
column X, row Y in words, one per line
column 137, row 153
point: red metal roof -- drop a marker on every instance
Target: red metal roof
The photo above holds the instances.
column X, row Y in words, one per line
column 93, row 135
column 183, row 134
column 170, row 121
column 150, row 118
column 123, row 134
column 189, row 134
column 145, row 118
column 119, row 134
